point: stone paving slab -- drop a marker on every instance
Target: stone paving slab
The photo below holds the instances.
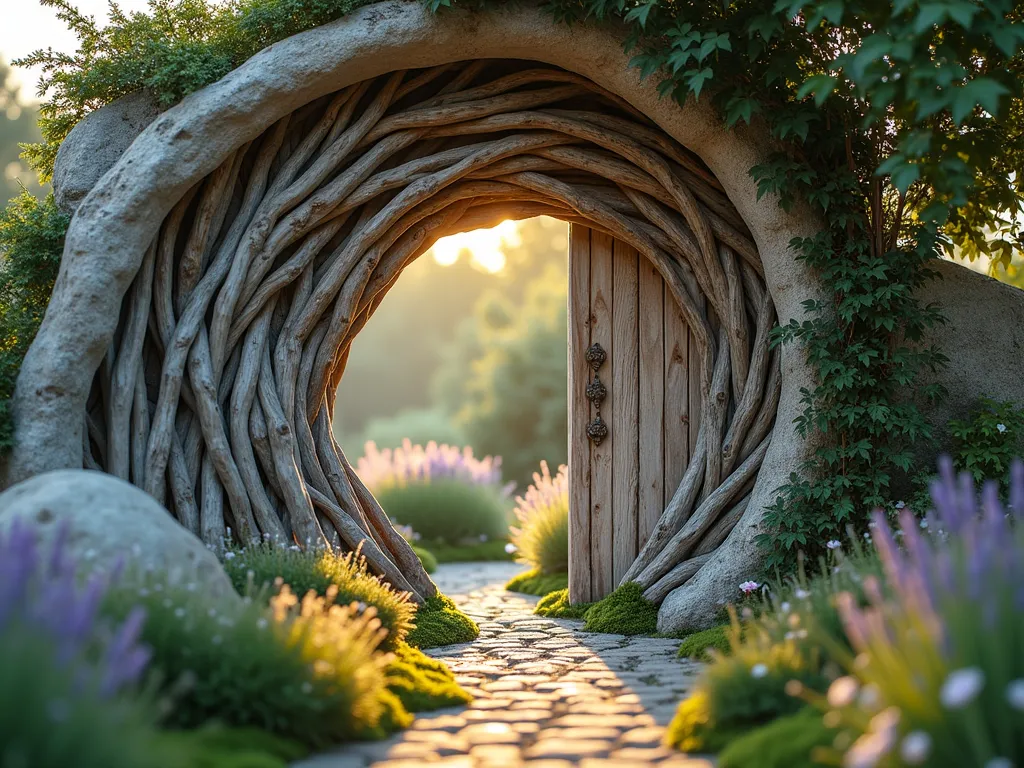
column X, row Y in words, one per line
column 546, row 693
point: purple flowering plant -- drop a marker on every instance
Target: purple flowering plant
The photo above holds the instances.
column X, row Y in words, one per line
column 937, row 672
column 69, row 678
column 443, row 493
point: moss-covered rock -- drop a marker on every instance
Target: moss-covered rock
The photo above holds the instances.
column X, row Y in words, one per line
column 623, row 612
column 535, row 582
column 423, row 684
column 439, row 622
column 556, row 605
column 789, row 742
column 697, row 645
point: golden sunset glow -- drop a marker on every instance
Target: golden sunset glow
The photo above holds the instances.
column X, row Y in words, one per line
column 484, row 247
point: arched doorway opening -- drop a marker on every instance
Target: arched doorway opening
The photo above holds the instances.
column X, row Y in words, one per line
column 217, row 394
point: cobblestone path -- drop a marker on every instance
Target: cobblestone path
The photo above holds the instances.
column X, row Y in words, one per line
column 546, row 693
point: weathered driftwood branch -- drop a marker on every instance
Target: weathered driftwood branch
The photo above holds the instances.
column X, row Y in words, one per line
column 217, row 394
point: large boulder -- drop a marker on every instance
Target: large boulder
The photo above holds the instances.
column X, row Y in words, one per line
column 96, row 143
column 983, row 337
column 109, row 520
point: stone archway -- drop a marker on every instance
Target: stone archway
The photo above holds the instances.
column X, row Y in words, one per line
column 280, row 203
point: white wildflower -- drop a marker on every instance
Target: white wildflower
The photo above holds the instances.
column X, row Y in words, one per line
column 749, row 586
column 229, row 555
column 1001, row 428
column 511, row 548
column 916, row 747
column 801, row 594
column 834, row 544
column 961, row 687
column 900, row 504
column 758, row 671
column 1015, row 693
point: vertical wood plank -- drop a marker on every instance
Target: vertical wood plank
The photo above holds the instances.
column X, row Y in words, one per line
column 677, row 400
column 652, row 400
column 625, row 371
column 693, row 391
column 579, row 415
column 601, row 541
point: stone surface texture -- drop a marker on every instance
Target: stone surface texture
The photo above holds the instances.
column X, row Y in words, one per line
column 107, row 520
column 119, row 218
column 983, row 337
column 546, row 693
column 96, row 144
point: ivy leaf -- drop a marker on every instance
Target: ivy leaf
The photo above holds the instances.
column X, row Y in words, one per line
column 647, row 64
column 741, row 108
column 696, row 79
column 820, row 85
column 640, row 13
column 982, row 91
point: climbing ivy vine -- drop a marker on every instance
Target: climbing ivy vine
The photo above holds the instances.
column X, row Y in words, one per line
column 899, row 123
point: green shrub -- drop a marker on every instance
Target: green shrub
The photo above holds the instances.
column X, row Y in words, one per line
column 697, row 645
column 623, row 612
column 307, row 672
column 541, row 537
column 265, row 567
column 789, row 742
column 31, row 242
column 439, row 622
column 427, row 559
column 743, row 690
column 536, row 583
column 484, row 551
column 556, row 605
column 219, row 747
column 448, row 510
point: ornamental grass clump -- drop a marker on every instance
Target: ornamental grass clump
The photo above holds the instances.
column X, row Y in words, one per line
column 937, row 675
column 444, row 493
column 69, row 678
column 541, row 536
column 264, row 568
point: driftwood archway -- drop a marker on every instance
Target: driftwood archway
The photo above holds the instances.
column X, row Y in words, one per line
column 216, row 395
column 124, row 209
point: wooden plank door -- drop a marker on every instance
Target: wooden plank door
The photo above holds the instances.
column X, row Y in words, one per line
column 619, row 485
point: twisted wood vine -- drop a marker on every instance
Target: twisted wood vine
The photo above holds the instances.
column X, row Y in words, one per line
column 216, row 395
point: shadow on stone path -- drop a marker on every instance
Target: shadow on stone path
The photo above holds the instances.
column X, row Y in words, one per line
column 546, row 693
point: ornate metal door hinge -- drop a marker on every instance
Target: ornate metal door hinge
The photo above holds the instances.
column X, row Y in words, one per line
column 597, row 430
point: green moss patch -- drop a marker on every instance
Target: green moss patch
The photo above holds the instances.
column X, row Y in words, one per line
column 623, row 612
column 697, row 645
column 789, row 742
column 556, row 605
column 423, row 684
column 534, row 582
column 439, row 622
column 694, row 728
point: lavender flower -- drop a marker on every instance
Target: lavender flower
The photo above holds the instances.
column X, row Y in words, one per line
column 418, row 464
column 747, row 587
column 40, row 594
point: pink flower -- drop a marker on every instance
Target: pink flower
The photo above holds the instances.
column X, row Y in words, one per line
column 749, row 586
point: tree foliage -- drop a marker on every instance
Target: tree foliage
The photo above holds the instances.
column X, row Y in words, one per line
column 31, row 243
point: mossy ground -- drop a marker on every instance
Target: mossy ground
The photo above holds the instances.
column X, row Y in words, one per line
column 789, row 742
column 440, row 622
column 414, row 682
column 697, row 645
column 623, row 612
column 534, row 582
column 693, row 728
